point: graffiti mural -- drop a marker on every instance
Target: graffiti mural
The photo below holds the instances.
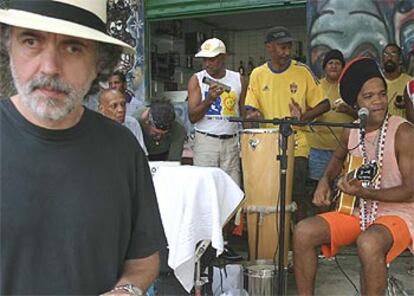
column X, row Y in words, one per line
column 126, row 22
column 359, row 28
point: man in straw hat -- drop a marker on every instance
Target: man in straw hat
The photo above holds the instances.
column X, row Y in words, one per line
column 383, row 224
column 78, row 209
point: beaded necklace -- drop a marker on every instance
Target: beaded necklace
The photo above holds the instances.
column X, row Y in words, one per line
column 366, row 217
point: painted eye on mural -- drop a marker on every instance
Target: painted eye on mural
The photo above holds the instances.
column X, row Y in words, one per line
column 404, row 6
column 115, row 27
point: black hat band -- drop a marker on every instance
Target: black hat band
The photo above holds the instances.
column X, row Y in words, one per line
column 57, row 10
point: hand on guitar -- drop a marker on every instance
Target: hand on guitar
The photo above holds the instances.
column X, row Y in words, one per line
column 323, row 193
column 351, row 187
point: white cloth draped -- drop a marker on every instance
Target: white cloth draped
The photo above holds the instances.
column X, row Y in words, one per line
column 195, row 203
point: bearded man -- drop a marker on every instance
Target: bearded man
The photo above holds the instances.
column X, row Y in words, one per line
column 78, row 209
column 395, row 78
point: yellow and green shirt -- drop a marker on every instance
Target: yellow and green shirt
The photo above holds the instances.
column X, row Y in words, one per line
column 271, row 91
column 322, row 138
column 396, row 88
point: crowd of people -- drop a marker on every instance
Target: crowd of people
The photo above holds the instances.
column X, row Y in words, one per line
column 77, row 197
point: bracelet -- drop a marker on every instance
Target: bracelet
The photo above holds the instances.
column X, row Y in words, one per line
column 130, row 288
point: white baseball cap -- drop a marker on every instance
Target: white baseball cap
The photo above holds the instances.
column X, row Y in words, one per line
column 211, row 48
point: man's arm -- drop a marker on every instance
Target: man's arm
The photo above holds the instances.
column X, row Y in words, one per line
column 405, row 155
column 197, row 107
column 323, row 193
column 178, row 134
column 138, row 272
column 242, row 98
column 312, row 113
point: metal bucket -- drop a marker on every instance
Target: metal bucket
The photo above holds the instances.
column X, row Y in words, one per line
column 260, row 278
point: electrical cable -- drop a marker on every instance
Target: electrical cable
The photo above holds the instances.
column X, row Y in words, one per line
column 346, row 276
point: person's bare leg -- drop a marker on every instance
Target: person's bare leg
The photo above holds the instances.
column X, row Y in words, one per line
column 362, row 283
column 309, row 234
column 373, row 246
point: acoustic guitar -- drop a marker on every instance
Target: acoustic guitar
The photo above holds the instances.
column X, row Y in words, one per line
column 366, row 173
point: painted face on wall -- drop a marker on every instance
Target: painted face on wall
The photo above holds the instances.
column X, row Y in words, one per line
column 338, row 24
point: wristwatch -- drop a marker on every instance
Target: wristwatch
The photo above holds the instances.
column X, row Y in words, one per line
column 130, row 288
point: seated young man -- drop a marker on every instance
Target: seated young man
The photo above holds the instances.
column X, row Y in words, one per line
column 383, row 225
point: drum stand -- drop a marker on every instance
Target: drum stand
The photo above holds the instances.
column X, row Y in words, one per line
column 201, row 248
column 285, row 129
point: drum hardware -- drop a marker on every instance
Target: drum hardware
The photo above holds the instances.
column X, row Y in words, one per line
column 253, row 143
column 200, row 250
column 270, row 209
column 260, row 276
column 261, row 212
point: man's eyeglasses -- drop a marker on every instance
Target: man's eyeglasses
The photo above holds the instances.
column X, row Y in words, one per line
column 390, row 54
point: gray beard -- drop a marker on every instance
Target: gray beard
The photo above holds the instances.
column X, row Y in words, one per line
column 48, row 108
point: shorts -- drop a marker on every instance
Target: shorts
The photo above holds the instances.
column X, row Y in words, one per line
column 318, row 160
column 345, row 229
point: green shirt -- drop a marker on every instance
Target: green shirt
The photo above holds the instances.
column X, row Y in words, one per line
column 172, row 143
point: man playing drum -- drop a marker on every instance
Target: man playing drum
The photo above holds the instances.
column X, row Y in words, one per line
column 283, row 87
column 383, row 226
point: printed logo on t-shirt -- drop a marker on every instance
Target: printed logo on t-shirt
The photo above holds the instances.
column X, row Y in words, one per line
column 266, row 88
column 293, row 87
column 224, row 105
column 229, row 100
column 215, row 108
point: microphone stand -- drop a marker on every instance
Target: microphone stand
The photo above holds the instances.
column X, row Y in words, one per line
column 285, row 129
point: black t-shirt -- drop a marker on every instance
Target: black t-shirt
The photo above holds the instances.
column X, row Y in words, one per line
column 75, row 204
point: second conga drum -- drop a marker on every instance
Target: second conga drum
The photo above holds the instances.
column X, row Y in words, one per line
column 259, row 153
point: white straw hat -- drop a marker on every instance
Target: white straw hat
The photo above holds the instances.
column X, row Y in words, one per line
column 78, row 18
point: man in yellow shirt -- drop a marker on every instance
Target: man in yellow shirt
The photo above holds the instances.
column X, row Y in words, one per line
column 395, row 78
column 284, row 87
column 323, row 140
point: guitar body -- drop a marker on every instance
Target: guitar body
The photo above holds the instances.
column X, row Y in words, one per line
column 346, row 202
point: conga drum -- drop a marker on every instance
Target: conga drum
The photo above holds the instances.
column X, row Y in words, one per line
column 259, row 153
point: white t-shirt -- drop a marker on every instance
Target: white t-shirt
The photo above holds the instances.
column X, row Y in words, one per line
column 133, row 106
column 135, row 128
column 226, row 105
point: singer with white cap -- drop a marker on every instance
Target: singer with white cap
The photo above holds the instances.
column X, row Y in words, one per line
column 209, row 105
column 78, row 209
column 214, row 95
column 382, row 225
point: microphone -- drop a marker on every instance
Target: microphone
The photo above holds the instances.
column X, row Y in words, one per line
column 363, row 115
column 210, row 82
